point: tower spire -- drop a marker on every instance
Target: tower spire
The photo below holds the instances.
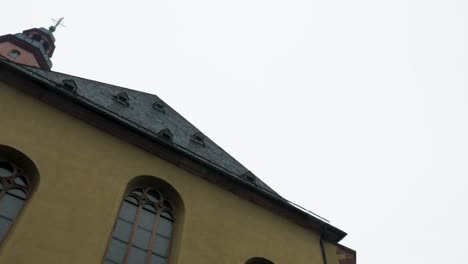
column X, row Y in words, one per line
column 57, row 23
column 33, row 47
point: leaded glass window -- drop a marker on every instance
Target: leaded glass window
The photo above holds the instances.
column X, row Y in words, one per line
column 143, row 230
column 14, row 191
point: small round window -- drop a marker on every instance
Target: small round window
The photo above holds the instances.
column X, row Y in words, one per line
column 14, row 53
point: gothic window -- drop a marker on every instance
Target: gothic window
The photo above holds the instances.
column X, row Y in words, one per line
column 15, row 189
column 143, row 230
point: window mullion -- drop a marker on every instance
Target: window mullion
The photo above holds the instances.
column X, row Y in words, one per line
column 170, row 244
column 132, row 235
column 153, row 235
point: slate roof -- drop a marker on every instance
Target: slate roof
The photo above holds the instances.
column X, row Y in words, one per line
column 138, row 110
column 151, row 116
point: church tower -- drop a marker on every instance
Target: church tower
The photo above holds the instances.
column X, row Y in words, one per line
column 34, row 47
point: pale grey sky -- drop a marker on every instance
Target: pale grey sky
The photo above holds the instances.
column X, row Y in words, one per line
column 356, row 110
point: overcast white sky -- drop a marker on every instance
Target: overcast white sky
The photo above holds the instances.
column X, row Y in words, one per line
column 356, row 110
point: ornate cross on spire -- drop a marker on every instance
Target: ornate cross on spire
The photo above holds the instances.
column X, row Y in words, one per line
column 57, row 23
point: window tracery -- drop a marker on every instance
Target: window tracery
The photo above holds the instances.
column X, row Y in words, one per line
column 15, row 189
column 143, row 229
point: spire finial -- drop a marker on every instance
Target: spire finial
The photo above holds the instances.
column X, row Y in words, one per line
column 57, row 23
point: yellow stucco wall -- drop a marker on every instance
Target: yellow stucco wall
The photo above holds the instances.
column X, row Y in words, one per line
column 83, row 176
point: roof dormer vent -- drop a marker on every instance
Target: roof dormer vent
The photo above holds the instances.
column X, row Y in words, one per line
column 250, row 177
column 159, row 105
column 198, row 138
column 122, row 98
column 69, row 86
column 165, row 134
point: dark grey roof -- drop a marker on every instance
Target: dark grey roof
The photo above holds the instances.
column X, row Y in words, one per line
column 151, row 115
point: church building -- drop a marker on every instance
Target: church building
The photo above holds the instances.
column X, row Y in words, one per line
column 95, row 173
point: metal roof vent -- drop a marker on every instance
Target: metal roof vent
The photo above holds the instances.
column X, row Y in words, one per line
column 122, row 98
column 198, row 138
column 165, row 134
column 250, row 177
column 69, row 86
column 159, row 105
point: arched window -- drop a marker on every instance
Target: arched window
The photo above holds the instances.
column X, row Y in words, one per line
column 143, row 230
column 15, row 189
column 46, row 45
column 37, row 38
column 258, row 260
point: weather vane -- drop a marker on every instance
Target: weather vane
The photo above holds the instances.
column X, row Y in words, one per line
column 57, row 23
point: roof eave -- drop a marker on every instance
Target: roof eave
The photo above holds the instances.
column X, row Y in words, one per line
column 326, row 230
